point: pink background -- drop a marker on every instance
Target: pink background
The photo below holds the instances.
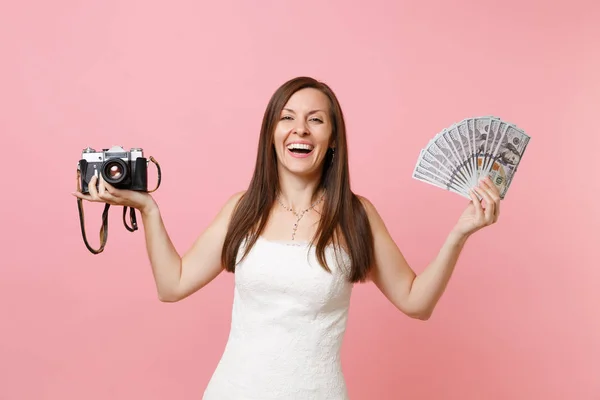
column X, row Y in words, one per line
column 189, row 81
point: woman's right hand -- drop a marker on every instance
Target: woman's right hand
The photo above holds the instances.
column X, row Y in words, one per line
column 106, row 193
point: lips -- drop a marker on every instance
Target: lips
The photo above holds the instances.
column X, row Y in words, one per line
column 300, row 149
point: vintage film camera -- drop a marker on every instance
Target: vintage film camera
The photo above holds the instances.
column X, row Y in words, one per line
column 122, row 169
column 125, row 170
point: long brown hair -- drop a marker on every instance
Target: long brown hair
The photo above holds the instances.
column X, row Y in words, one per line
column 342, row 211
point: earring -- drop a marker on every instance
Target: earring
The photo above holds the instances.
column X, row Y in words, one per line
column 332, row 154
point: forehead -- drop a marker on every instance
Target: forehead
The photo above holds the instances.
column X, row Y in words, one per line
column 308, row 99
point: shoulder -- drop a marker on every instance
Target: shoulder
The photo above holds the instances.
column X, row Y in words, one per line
column 367, row 204
column 230, row 205
column 235, row 198
column 377, row 225
column 370, row 210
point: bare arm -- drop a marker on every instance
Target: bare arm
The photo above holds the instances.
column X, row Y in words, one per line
column 418, row 295
column 415, row 295
column 178, row 277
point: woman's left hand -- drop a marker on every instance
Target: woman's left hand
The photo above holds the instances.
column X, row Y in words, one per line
column 478, row 215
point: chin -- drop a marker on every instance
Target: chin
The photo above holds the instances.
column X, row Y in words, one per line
column 300, row 170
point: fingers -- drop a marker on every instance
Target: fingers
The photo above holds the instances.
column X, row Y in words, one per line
column 99, row 191
column 89, row 197
column 82, row 196
column 109, row 188
column 77, row 193
column 102, row 192
column 92, row 189
column 494, row 194
column 489, row 207
column 105, row 191
column 92, row 192
column 476, row 204
column 494, row 191
column 490, row 194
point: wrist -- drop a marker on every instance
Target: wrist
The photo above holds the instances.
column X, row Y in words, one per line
column 150, row 207
column 458, row 238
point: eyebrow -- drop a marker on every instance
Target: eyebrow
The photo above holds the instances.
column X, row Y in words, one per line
column 310, row 112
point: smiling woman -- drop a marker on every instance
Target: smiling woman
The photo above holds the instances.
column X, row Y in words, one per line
column 304, row 131
column 314, row 186
column 297, row 239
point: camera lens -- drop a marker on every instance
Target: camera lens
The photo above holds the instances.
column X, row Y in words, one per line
column 114, row 171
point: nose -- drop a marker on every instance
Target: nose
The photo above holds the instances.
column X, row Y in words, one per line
column 301, row 129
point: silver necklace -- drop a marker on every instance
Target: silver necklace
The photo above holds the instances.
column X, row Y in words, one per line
column 300, row 214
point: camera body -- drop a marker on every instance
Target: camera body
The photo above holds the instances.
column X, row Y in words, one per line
column 120, row 168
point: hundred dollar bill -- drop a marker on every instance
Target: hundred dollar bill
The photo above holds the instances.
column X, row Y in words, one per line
column 458, row 157
column 497, row 129
column 461, row 148
column 471, row 129
column 431, row 164
column 466, row 136
column 506, row 156
column 439, row 163
column 482, row 133
column 441, row 150
column 433, row 178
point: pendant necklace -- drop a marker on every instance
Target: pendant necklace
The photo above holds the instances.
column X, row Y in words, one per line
column 300, row 214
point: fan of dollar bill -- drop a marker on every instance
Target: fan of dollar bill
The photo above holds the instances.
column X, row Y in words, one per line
column 459, row 156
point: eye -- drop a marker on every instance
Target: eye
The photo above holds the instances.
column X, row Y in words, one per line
column 317, row 120
column 286, row 117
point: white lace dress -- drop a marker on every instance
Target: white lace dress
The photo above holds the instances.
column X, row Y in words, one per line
column 288, row 320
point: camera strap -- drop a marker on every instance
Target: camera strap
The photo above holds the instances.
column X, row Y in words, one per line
column 104, row 227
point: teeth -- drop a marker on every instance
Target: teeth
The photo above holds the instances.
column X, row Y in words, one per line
column 294, row 146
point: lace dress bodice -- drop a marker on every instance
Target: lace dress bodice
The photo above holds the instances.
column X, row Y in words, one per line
column 288, row 321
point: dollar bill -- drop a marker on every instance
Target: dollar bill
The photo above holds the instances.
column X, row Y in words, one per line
column 432, row 164
column 441, row 145
column 461, row 149
column 497, row 129
column 466, row 136
column 458, row 157
column 505, row 157
column 482, row 127
column 428, row 173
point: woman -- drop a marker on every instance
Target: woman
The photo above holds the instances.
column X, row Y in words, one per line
column 297, row 239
